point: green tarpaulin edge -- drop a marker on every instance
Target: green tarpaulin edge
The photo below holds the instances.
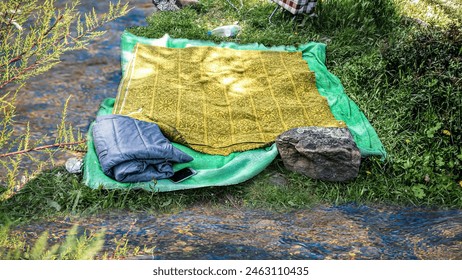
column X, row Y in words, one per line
column 329, row 86
column 237, row 167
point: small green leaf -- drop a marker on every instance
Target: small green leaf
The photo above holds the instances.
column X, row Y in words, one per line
column 166, row 203
column 440, row 162
column 431, row 131
column 418, row 191
column 40, row 247
column 54, row 204
column 459, row 156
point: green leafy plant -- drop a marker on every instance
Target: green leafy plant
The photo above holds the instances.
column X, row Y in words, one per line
column 76, row 246
column 33, row 36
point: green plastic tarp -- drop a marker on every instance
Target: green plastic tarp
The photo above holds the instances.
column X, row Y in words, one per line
column 216, row 170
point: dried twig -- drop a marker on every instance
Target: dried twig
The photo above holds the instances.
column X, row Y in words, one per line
column 57, row 145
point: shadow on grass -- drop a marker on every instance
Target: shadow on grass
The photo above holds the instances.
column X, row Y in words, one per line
column 58, row 193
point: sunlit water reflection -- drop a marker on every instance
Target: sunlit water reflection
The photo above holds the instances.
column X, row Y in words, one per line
column 343, row 232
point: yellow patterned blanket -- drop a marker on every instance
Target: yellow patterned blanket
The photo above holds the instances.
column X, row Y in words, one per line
column 219, row 100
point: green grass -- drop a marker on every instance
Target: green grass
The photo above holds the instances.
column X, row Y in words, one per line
column 402, row 67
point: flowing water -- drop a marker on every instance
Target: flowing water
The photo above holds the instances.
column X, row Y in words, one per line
column 325, row 232
column 343, row 232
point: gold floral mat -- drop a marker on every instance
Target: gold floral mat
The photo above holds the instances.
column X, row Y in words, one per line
column 219, row 100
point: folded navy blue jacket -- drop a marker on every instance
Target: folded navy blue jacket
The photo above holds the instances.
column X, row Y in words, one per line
column 131, row 150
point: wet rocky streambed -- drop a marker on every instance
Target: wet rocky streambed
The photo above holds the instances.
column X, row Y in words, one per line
column 343, row 232
column 325, row 232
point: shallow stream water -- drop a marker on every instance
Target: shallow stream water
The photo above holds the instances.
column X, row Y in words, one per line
column 325, row 232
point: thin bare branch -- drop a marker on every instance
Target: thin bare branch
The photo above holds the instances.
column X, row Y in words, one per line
column 45, row 147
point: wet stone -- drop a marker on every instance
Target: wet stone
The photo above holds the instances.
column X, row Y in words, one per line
column 324, row 153
column 266, row 224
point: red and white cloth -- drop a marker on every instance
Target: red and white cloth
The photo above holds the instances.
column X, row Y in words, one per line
column 297, row 6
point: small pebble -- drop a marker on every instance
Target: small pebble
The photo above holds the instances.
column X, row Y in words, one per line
column 74, row 165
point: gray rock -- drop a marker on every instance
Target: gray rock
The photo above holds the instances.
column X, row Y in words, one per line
column 173, row 5
column 278, row 179
column 165, row 5
column 325, row 153
column 183, row 3
column 74, row 165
